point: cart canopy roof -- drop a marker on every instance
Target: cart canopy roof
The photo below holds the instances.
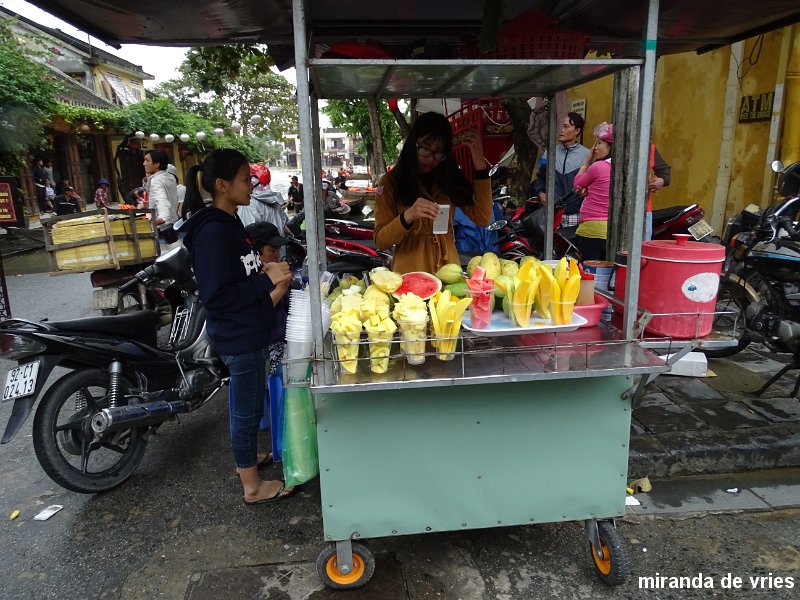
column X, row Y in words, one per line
column 615, row 25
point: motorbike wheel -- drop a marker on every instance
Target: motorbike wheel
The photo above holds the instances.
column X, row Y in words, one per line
column 732, row 302
column 64, row 440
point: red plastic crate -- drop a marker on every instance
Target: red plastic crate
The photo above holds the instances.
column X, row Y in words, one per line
column 541, row 44
column 493, row 123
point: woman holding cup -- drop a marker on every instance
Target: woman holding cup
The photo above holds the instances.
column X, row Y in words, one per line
column 416, row 200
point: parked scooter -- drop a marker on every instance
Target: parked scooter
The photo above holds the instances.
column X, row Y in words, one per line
column 680, row 219
column 523, row 234
column 760, row 287
column 344, row 256
column 92, row 425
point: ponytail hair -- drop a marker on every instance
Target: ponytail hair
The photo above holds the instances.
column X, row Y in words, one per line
column 219, row 164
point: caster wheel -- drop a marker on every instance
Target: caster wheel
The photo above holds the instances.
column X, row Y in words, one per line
column 614, row 567
column 328, row 570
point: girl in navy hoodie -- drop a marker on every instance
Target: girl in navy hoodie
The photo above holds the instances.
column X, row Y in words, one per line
column 239, row 294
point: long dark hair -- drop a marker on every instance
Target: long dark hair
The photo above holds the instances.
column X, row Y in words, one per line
column 446, row 174
column 220, row 164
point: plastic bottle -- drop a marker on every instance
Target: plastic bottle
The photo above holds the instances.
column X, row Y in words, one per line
column 586, row 293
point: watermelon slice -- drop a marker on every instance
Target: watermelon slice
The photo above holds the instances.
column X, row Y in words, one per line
column 481, row 291
column 479, row 273
column 420, row 283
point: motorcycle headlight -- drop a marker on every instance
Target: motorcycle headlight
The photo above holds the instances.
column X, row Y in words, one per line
column 15, row 347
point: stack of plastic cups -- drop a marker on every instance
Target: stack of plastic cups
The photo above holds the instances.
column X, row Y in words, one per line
column 299, row 341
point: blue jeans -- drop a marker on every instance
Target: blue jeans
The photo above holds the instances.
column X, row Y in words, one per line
column 246, row 405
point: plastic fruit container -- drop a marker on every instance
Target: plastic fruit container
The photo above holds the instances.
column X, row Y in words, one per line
column 592, row 312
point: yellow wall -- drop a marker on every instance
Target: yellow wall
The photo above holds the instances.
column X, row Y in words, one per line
column 99, row 71
column 688, row 117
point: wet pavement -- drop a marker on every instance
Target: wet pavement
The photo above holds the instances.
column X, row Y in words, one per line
column 178, row 528
column 698, row 426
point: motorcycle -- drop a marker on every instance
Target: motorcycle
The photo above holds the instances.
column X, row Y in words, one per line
column 761, row 282
column 91, row 427
column 523, row 235
column 680, row 219
column 344, row 256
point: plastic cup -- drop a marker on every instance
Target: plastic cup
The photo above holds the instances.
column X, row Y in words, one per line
column 520, row 314
column 380, row 346
column 412, row 339
column 561, row 312
column 347, row 351
column 296, row 369
column 480, row 310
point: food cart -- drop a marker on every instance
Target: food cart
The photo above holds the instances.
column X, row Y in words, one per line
column 486, row 439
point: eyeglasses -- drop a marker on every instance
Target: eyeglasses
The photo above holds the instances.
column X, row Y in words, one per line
column 426, row 152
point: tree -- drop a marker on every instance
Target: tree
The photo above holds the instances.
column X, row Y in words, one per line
column 28, row 93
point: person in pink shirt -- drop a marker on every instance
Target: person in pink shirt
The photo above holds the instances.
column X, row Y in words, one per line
column 594, row 181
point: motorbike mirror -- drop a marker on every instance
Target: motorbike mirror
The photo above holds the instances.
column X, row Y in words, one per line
column 497, row 225
column 503, row 162
column 777, row 166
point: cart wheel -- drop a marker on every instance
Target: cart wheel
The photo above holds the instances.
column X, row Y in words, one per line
column 614, row 567
column 328, row 570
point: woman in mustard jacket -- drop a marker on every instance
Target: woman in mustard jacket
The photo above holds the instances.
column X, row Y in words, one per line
column 425, row 176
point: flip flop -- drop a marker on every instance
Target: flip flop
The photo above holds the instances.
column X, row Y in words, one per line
column 279, row 495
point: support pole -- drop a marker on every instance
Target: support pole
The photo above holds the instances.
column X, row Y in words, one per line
column 646, row 87
column 552, row 128
column 307, row 152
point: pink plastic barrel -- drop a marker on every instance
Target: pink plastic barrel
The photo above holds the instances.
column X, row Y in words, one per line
column 678, row 284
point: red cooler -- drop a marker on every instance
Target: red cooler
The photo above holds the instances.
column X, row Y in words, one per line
column 678, row 283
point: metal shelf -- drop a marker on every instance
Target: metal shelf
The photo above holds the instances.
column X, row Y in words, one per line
column 466, row 78
column 591, row 352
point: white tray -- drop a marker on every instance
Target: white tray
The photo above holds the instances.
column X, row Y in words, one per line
column 501, row 325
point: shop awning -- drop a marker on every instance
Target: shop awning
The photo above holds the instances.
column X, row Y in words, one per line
column 615, row 25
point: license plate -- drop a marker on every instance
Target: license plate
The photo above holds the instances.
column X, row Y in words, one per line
column 701, row 229
column 107, row 298
column 21, row 381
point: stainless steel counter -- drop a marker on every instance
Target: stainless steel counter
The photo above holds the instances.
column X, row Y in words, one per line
column 591, row 352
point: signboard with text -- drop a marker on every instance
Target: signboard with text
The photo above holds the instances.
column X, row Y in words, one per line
column 756, row 108
column 7, row 212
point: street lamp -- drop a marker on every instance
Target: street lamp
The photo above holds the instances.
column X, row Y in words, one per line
column 184, row 137
column 169, row 138
column 200, row 135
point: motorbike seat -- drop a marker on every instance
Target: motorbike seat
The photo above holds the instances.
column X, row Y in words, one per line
column 140, row 326
column 665, row 214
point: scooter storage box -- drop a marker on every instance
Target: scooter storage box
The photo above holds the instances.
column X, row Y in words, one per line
column 678, row 283
column 95, row 240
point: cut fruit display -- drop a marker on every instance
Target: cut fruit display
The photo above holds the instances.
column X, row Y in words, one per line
column 481, row 290
column 419, row 283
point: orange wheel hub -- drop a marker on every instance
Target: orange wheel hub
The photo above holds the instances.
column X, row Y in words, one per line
column 332, row 569
column 603, row 564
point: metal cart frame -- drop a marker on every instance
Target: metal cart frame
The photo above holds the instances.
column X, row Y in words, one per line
column 398, row 452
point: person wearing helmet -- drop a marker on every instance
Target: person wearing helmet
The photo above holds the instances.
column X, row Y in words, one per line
column 267, row 241
column 265, row 205
column 593, row 181
column 101, row 194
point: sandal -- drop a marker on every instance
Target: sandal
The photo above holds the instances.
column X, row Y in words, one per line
column 279, row 495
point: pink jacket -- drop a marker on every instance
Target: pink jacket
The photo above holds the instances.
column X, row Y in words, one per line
column 597, row 179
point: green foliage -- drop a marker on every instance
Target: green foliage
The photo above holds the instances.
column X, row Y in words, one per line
column 353, row 117
column 243, row 85
column 28, row 94
column 216, row 66
column 99, row 118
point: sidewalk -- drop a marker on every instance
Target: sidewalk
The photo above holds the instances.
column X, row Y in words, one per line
column 700, row 426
